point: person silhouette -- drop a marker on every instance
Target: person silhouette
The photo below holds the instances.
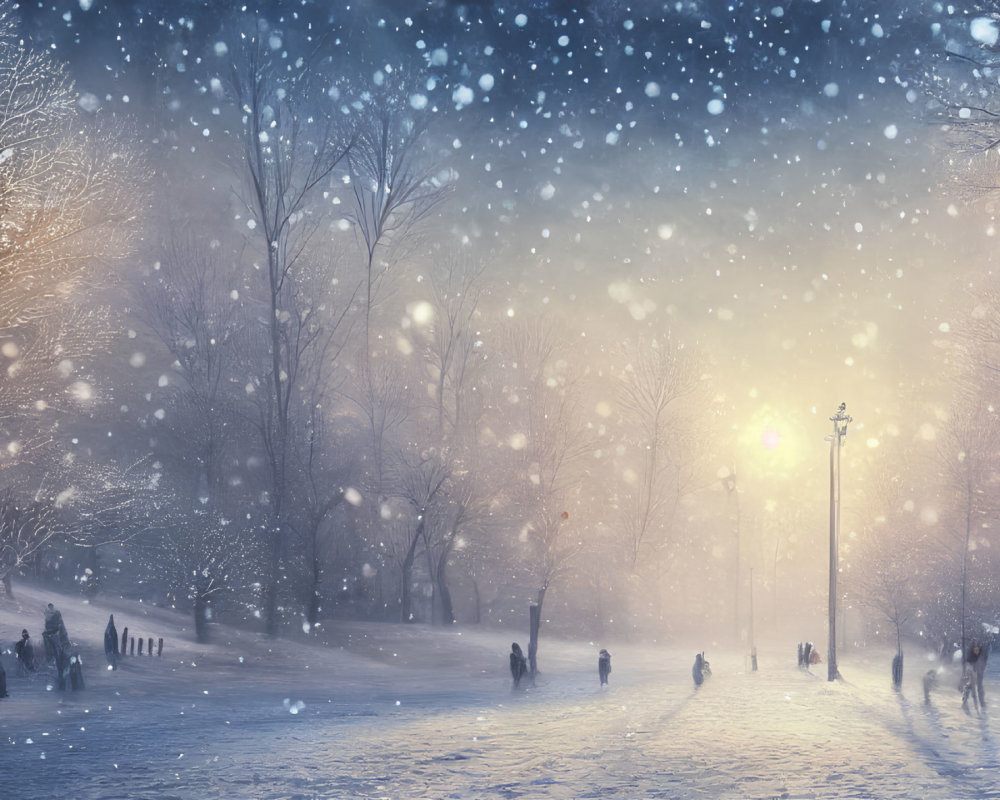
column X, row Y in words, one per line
column 604, row 666
column 111, row 643
column 518, row 664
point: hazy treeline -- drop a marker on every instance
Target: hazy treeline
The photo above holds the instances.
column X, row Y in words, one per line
column 281, row 375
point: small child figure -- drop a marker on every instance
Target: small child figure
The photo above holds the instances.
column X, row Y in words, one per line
column 604, row 666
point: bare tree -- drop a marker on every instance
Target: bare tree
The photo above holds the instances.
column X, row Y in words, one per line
column 322, row 471
column 961, row 97
column 452, row 352
column 657, row 376
column 967, row 455
column 453, row 347
column 195, row 317
column 886, row 571
column 26, row 526
column 464, row 515
column 203, row 557
column 291, row 150
column 394, row 188
column 421, row 480
column 87, row 503
column 546, row 442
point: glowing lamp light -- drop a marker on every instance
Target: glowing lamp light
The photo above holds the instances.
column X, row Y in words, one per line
column 770, row 438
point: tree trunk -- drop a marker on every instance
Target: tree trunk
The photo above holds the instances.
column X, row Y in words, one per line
column 447, row 609
column 405, row 600
column 7, row 585
column 271, row 586
column 312, row 605
column 478, row 607
column 535, row 621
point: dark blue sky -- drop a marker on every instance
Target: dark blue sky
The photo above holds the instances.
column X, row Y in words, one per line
column 763, row 179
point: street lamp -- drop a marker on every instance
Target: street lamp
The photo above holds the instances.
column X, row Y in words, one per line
column 839, row 420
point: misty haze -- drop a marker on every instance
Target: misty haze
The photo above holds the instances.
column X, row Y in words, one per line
column 344, row 345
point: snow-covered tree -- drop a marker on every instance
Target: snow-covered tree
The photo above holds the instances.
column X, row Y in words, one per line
column 71, row 198
column 27, row 524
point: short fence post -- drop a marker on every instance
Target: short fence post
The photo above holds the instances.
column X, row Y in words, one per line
column 151, row 645
column 159, row 649
column 131, row 643
column 124, row 639
column 141, row 640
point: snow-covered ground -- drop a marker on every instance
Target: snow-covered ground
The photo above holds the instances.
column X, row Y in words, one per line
column 399, row 712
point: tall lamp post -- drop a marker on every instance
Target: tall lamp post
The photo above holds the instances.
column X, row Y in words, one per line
column 839, row 420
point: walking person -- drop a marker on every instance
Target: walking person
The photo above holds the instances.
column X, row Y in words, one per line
column 25, row 653
column 55, row 636
column 973, row 671
column 518, row 664
column 604, row 666
column 698, row 670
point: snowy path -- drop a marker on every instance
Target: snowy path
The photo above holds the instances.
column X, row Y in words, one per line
column 778, row 733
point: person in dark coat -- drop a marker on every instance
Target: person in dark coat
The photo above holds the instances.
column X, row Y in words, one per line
column 975, row 667
column 55, row 636
column 604, row 666
column 25, row 652
column 76, row 672
column 700, row 669
column 930, row 681
column 518, row 664
column 111, row 643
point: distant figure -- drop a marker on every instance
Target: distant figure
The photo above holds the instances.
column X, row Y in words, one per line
column 806, row 655
column 25, row 653
column 976, row 662
column 75, row 672
column 3, row 682
column 930, row 682
column 967, row 686
column 518, row 664
column 111, row 643
column 62, row 667
column 814, row 657
column 700, row 669
column 604, row 666
column 55, row 637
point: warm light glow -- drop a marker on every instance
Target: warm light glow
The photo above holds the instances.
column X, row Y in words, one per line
column 771, row 444
column 421, row 313
column 771, row 438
